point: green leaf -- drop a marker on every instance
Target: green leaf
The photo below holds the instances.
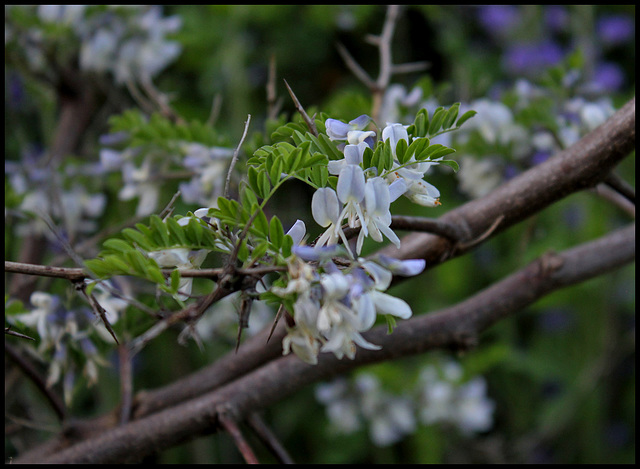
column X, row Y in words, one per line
column 465, row 117
column 315, row 159
column 154, row 274
column 138, row 238
column 264, row 184
column 276, row 232
column 435, row 151
column 386, row 158
column 260, row 222
column 118, row 245
column 421, row 123
column 99, row 268
column 367, row 157
column 436, row 121
column 117, row 265
column 319, row 175
column 248, row 196
column 252, row 179
column 451, row 163
column 145, row 230
column 243, row 251
column 417, row 147
column 176, row 231
column 450, row 116
column 159, row 227
column 196, row 229
column 377, row 156
column 275, row 172
column 329, row 148
column 287, row 245
column 138, row 262
column 401, row 151
column 259, row 251
column 440, row 152
column 175, row 280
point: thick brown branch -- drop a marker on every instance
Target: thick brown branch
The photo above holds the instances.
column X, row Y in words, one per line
column 457, row 326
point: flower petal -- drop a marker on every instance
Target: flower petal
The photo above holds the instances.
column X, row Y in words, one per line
column 351, row 184
column 387, row 304
column 325, row 207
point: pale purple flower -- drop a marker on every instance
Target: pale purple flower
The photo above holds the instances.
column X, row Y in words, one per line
column 532, row 58
column 615, row 29
column 395, row 133
column 350, row 189
column 325, row 209
column 352, row 132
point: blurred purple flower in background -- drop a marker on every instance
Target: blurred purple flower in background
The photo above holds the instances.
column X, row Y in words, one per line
column 556, row 17
column 498, row 19
column 532, row 58
column 608, row 77
column 615, row 29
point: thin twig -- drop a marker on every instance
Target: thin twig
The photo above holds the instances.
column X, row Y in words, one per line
column 410, row 67
column 216, row 105
column 161, row 100
column 269, row 438
column 69, row 273
column 355, row 68
column 621, row 186
column 8, row 331
column 33, row 374
column 483, row 236
column 387, row 68
column 273, row 104
column 168, row 210
column 308, row 120
column 96, row 308
column 232, row 428
column 234, row 160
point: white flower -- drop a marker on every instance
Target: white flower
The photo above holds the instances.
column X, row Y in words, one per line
column 136, row 184
column 335, row 287
column 303, row 343
column 474, row 409
column 396, row 96
column 417, row 190
column 297, row 232
column 478, row 177
column 337, row 130
column 377, row 217
column 395, row 133
column 45, row 305
column 350, row 189
column 209, row 165
column 182, row 259
column 325, row 209
column 353, row 154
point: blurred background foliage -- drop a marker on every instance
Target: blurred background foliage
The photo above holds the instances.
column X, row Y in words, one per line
column 561, row 373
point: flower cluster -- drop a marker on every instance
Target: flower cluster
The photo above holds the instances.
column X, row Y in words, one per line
column 332, row 307
column 145, row 168
column 363, row 196
column 440, row 396
column 67, row 342
column 127, row 41
column 38, row 190
column 505, row 139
